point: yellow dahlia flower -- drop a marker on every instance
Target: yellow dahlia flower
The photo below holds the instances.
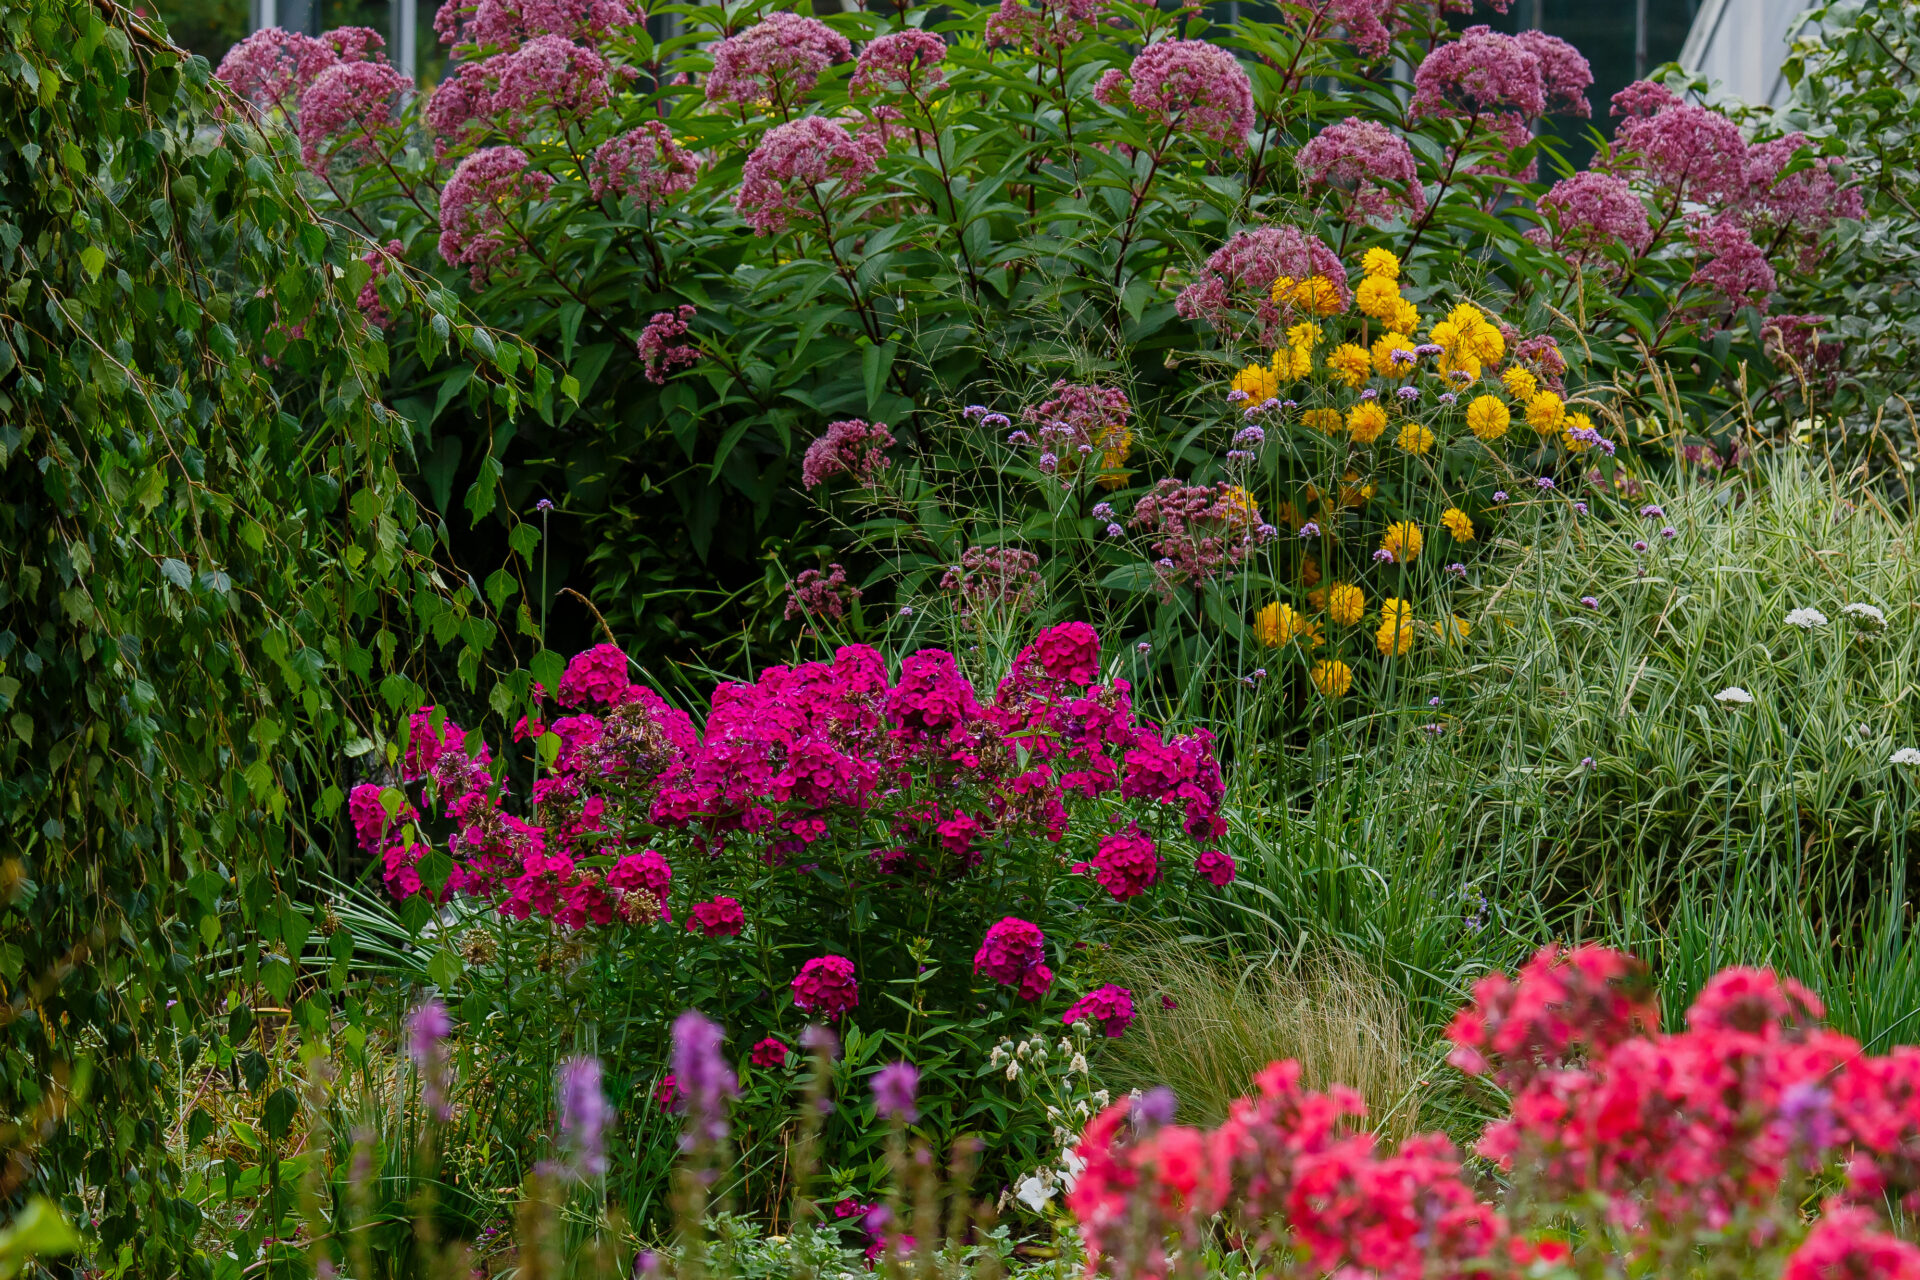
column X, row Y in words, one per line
column 1488, row 417
column 1332, row 677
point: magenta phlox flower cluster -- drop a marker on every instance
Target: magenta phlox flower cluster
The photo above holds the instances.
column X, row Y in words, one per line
column 821, row 595
column 475, row 226
column 271, row 67
column 1127, row 864
column 781, row 180
column 659, row 346
column 1589, row 212
column 645, row 163
column 904, row 63
column 505, row 25
column 1110, row 1006
column 1482, row 73
column 994, row 578
column 774, row 63
column 1013, row 954
column 1239, row 278
column 1194, row 89
column 1197, row 531
column 1047, row 27
column 344, row 107
column 1216, row 868
column 823, row 749
column 825, row 985
column 1369, row 162
column 853, row 447
column 378, row 258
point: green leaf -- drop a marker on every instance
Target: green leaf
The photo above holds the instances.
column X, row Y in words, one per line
column 94, row 260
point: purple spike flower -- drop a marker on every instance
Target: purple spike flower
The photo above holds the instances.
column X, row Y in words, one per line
column 584, row 1115
column 894, row 1091
column 427, row 1031
column 704, row 1077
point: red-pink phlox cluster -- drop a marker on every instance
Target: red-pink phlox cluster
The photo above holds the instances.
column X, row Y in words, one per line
column 1482, row 73
column 1849, row 1244
column 659, row 346
column 821, row 595
column 775, row 62
column 781, row 179
column 1110, row 1006
column 720, row 918
column 1216, row 868
column 852, row 447
column 344, row 107
column 825, row 985
column 488, row 190
column 645, row 163
column 1195, row 89
column 906, row 62
column 1014, row 954
column 994, row 578
column 1589, row 212
column 1197, row 531
column 1369, row 162
column 1239, row 278
column 1285, row 1168
column 1180, row 771
column 768, row 1053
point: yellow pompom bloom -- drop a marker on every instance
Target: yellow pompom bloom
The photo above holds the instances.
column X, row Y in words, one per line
column 1345, row 603
column 1282, row 288
column 1403, row 540
column 1259, row 381
column 1447, row 336
column 1365, row 421
column 1241, row 506
column 1576, row 422
column 1377, row 297
column 1380, row 264
column 1395, row 637
column 1353, row 493
column 1280, row 624
column 1309, row 573
column 1545, row 412
column 1405, row 317
column 1466, row 316
column 1453, row 630
column 1305, row 334
column 1327, row 421
column 1350, row 363
column 1520, row 383
column 1414, row 438
column 1331, row 677
column 1290, row 363
column 1489, row 417
column 1487, row 344
column 1383, row 355
column 1318, row 296
column 1457, row 523
column 1317, row 599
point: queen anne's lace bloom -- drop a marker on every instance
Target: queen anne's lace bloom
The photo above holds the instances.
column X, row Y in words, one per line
column 785, row 176
column 774, row 62
column 1807, row 619
column 1194, row 88
column 486, row 192
column 1371, row 163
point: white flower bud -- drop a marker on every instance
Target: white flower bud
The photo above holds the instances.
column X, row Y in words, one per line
column 1101, row 1097
column 1013, row 1069
column 1078, row 1064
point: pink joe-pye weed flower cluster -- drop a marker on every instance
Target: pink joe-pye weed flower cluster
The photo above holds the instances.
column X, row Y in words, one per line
column 1370, row 163
column 851, row 447
column 774, row 64
column 1193, row 89
column 645, row 164
column 1239, row 277
column 505, row 25
column 659, row 346
column 486, row 194
column 783, row 178
column 903, row 63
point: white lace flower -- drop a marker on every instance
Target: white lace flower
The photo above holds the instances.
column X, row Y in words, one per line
column 1734, row 696
column 1865, row 613
column 1906, row 755
column 1807, row 619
